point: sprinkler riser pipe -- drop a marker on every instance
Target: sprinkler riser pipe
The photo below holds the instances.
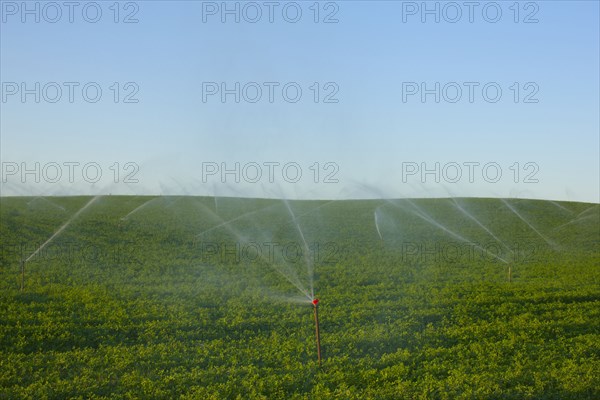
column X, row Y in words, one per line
column 22, row 274
column 317, row 332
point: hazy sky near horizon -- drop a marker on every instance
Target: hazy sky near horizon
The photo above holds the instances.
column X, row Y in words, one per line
column 347, row 99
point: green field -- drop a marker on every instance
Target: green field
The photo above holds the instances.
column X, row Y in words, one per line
column 202, row 298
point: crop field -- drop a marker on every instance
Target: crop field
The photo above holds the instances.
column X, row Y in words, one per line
column 142, row 297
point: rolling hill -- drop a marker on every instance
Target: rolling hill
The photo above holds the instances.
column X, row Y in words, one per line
column 202, row 297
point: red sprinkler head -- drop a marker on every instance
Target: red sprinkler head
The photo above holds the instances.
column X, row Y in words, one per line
column 315, row 301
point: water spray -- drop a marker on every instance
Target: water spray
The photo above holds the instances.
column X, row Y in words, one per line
column 518, row 214
column 315, row 303
column 58, row 232
column 376, row 215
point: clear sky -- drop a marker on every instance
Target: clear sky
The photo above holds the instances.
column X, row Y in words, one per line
column 370, row 130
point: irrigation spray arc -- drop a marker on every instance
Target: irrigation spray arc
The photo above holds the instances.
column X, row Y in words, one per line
column 310, row 272
column 62, row 228
column 414, row 209
column 288, row 274
column 418, row 211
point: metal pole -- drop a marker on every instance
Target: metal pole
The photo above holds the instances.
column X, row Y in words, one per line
column 22, row 274
column 317, row 331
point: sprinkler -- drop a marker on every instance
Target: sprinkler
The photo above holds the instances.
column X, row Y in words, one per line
column 22, row 274
column 62, row 228
column 315, row 303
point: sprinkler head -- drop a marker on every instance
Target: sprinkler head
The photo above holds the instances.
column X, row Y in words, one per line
column 315, row 302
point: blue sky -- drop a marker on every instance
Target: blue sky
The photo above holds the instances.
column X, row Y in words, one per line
column 369, row 139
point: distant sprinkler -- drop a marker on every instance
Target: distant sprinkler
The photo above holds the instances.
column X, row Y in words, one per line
column 22, row 274
column 315, row 303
